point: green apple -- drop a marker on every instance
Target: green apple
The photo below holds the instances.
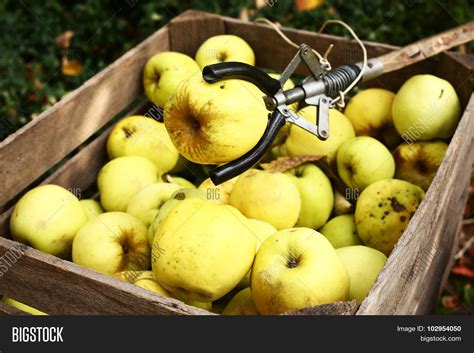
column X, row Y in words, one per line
column 223, row 48
column 22, row 307
column 202, row 250
column 297, row 268
column 142, row 279
column 383, row 211
column 123, row 177
column 363, row 265
column 219, row 194
column 165, row 209
column 341, row 231
column 370, row 112
column 145, row 137
column 426, row 107
column 317, row 197
column 180, row 181
column 302, row 143
column 418, row 162
column 241, row 304
column 163, row 72
column 147, row 281
column 146, row 203
column 268, row 196
column 202, row 119
column 92, row 208
column 113, row 242
column 261, row 230
column 48, row 218
column 362, row 161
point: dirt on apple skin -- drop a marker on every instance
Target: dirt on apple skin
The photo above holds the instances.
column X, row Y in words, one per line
column 384, row 210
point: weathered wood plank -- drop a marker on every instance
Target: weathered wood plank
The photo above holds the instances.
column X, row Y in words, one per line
column 427, row 47
column 410, row 280
column 60, row 287
column 188, row 32
column 46, row 140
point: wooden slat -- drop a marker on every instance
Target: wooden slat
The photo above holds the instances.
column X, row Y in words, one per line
column 59, row 287
column 410, row 280
column 39, row 145
column 427, row 47
column 189, row 31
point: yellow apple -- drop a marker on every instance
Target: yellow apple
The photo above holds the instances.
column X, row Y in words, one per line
column 297, row 268
column 145, row 137
column 222, row 48
column 201, row 250
column 363, row 265
column 219, row 194
column 203, row 119
column 362, row 161
column 341, row 231
column 301, row 142
column 370, row 112
column 174, row 200
column 383, row 211
column 113, row 242
column 426, row 107
column 268, row 196
column 418, row 162
column 241, row 304
column 92, row 208
column 180, row 181
column 48, row 218
column 147, row 281
column 317, row 197
column 123, row 177
column 146, row 203
column 163, row 72
column 23, row 307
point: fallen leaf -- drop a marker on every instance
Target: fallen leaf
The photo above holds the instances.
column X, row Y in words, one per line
column 449, row 302
column 463, row 271
column 308, row 5
column 282, row 164
column 63, row 41
column 71, row 67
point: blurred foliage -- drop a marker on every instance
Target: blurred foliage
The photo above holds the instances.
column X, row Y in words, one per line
column 37, row 68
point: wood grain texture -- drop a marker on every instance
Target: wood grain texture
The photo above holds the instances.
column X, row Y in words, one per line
column 339, row 308
column 189, row 31
column 59, row 287
column 427, row 47
column 412, row 276
column 47, row 139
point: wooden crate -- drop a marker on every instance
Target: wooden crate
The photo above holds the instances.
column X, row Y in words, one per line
column 412, row 275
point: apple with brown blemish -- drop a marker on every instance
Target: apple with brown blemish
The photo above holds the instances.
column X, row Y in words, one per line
column 383, row 211
column 114, row 242
column 419, row 162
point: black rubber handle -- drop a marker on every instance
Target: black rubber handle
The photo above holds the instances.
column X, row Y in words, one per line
column 232, row 169
column 235, row 70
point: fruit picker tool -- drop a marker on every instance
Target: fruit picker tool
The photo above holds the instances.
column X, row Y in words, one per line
column 322, row 88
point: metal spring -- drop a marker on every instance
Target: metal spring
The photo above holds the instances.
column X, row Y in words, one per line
column 339, row 79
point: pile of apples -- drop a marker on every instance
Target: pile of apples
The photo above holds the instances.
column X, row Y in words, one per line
column 281, row 236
